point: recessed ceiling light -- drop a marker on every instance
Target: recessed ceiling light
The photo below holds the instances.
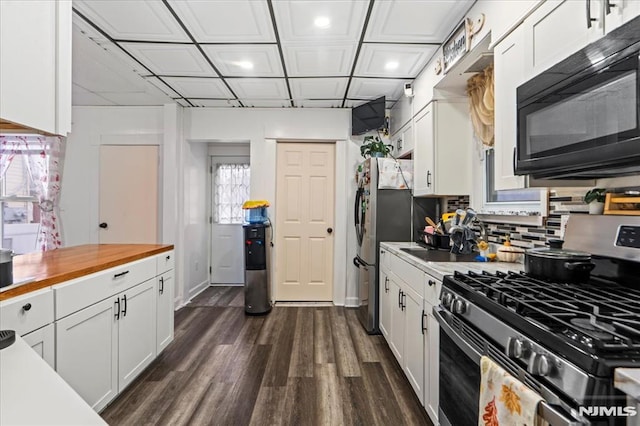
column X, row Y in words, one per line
column 322, row 22
column 390, row 66
column 244, row 65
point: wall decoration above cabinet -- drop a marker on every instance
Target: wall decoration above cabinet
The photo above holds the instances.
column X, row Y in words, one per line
column 481, row 105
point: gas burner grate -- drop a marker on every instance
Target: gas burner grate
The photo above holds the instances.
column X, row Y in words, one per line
column 597, row 316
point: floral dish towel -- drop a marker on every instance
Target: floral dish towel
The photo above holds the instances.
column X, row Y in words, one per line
column 504, row 400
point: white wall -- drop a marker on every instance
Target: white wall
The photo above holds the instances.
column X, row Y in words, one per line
column 92, row 127
column 262, row 128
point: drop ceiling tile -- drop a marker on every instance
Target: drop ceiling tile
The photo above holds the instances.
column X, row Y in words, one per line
column 83, row 97
column 171, row 59
column 226, row 21
column 326, row 59
column 157, row 83
column 136, row 98
column 408, row 59
column 329, row 103
column 318, row 88
column 132, row 20
column 194, row 87
column 414, row 20
column 265, row 59
column 256, row 88
column 371, row 88
column 214, row 103
column 267, row 103
column 295, row 20
column 80, row 26
column 183, row 102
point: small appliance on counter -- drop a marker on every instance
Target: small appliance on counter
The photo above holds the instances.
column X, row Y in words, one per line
column 6, row 267
column 563, row 336
column 257, row 257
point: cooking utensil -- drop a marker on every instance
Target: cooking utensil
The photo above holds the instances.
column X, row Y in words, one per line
column 557, row 264
column 432, row 223
column 447, row 216
column 459, row 214
column 6, row 267
column 469, row 216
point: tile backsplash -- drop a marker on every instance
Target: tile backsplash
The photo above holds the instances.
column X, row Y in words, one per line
column 562, row 203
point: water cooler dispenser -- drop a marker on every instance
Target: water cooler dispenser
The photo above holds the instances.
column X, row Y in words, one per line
column 257, row 251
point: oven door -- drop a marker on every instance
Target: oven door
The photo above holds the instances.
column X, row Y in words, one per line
column 460, row 378
column 586, row 127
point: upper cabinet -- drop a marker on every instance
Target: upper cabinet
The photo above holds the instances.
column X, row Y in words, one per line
column 35, row 64
column 509, row 73
column 402, row 141
column 443, row 140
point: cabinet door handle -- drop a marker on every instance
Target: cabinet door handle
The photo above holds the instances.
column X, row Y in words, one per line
column 121, row 274
column 400, row 299
column 117, row 309
column 168, row 257
column 589, row 18
column 161, row 285
column 386, row 284
column 424, row 317
column 513, row 162
column 404, row 299
column 26, row 307
column 124, row 306
column 607, row 6
column 431, row 282
column 429, row 178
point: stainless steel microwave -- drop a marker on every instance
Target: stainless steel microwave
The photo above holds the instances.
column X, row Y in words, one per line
column 581, row 117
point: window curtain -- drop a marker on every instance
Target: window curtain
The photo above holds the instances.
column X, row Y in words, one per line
column 481, row 105
column 44, row 157
column 9, row 148
column 231, row 191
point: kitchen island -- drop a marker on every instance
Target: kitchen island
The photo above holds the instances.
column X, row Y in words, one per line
column 43, row 269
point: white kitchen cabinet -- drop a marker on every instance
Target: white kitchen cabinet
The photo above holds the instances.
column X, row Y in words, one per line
column 557, row 29
column 403, row 141
column 396, row 333
column 164, row 306
column 42, row 341
column 509, row 73
column 87, row 352
column 385, row 304
column 136, row 332
column 414, row 341
column 620, row 12
column 35, row 70
column 102, row 348
column 443, row 138
column 431, row 364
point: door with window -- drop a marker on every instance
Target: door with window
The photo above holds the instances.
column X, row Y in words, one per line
column 305, row 188
column 230, row 189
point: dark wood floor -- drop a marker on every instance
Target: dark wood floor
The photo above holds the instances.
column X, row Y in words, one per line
column 295, row 366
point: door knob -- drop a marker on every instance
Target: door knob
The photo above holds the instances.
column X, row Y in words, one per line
column 103, row 225
column 329, row 230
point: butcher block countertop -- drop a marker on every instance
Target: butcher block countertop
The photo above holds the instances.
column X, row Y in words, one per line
column 44, row 269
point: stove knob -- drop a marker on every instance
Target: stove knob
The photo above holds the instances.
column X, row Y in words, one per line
column 516, row 348
column 539, row 365
column 447, row 298
column 459, row 306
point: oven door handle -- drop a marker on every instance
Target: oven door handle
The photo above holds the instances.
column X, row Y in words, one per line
column 545, row 411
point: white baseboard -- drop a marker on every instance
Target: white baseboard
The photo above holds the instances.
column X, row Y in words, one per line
column 352, row 302
column 198, row 289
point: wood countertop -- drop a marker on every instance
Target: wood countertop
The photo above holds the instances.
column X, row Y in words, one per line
column 64, row 264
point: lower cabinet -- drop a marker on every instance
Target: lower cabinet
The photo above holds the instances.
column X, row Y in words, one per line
column 102, row 348
column 408, row 325
column 164, row 306
column 43, row 341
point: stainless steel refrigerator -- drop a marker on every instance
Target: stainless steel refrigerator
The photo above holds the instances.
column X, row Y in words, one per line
column 380, row 215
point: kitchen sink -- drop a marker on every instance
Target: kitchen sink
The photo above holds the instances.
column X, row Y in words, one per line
column 433, row 255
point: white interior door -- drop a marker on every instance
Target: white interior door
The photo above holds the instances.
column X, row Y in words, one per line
column 128, row 194
column 227, row 256
column 305, row 188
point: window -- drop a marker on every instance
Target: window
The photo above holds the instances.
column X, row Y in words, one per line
column 20, row 212
column 231, row 191
column 510, row 196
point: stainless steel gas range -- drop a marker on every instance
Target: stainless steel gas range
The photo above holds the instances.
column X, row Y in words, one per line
column 562, row 340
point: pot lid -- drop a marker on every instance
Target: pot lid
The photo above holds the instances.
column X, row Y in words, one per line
column 554, row 253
